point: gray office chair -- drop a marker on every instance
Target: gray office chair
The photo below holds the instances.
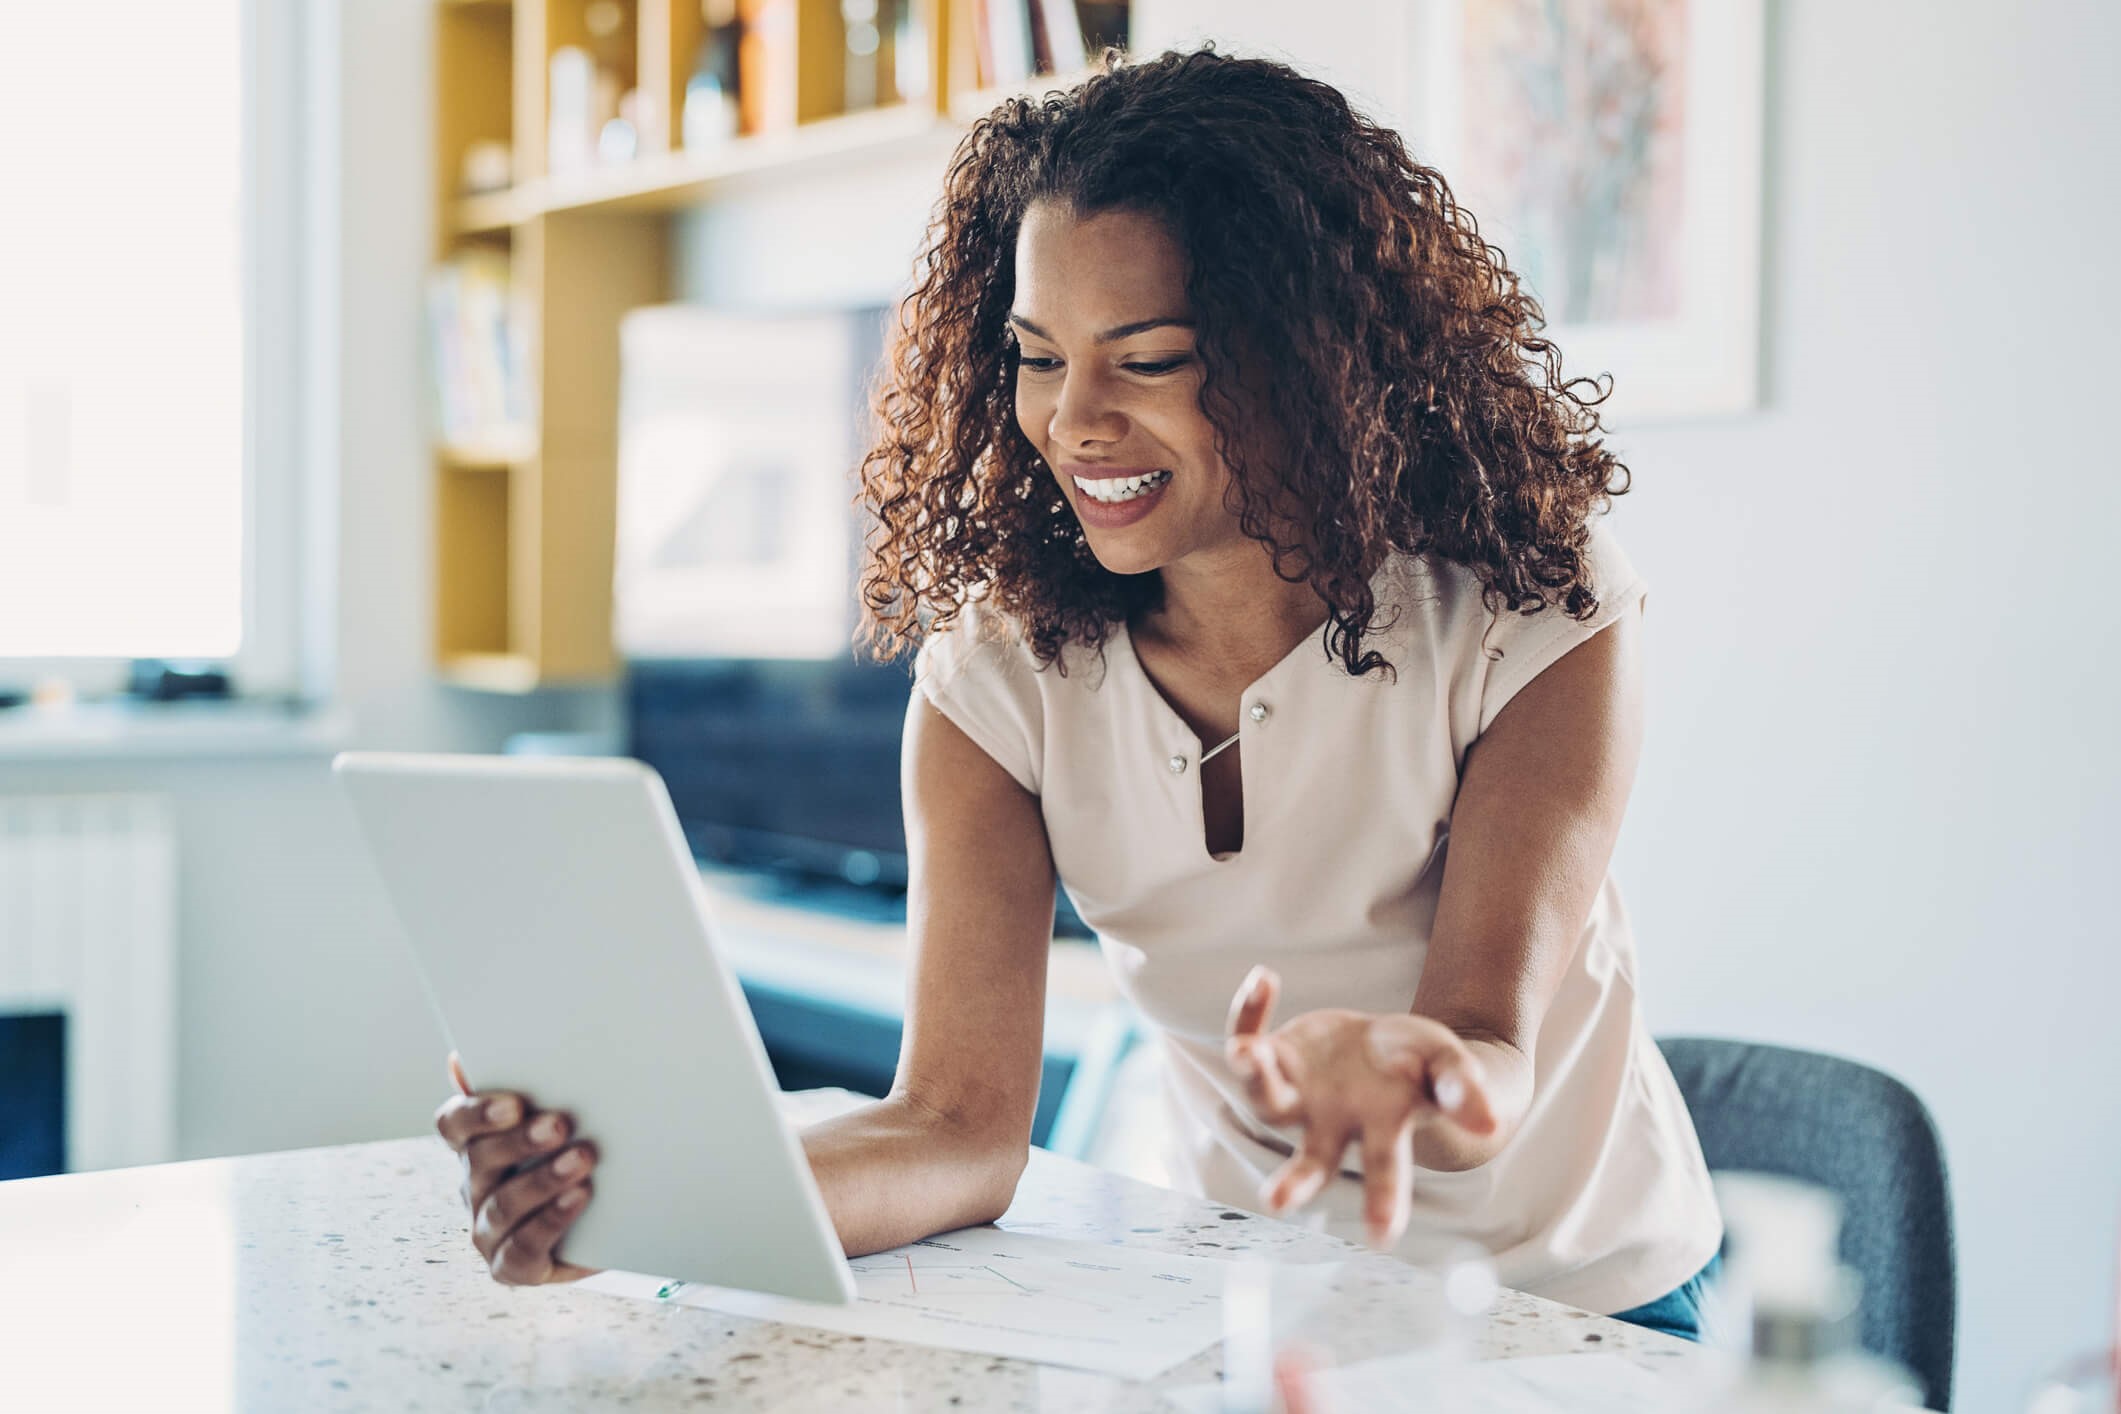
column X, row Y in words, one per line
column 1866, row 1137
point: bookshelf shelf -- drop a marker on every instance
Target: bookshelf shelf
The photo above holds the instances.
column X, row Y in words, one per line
column 492, row 211
column 533, row 280
column 497, row 453
column 492, row 672
column 670, row 181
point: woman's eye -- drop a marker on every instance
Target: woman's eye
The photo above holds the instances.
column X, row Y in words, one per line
column 1047, row 365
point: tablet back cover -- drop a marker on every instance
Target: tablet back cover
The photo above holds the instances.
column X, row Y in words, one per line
column 558, row 919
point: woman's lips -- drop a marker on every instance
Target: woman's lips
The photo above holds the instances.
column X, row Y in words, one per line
column 1101, row 516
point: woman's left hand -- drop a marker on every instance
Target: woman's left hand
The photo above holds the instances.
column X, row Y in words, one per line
column 1352, row 1076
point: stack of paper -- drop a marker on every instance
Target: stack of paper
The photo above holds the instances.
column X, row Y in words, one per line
column 1117, row 1310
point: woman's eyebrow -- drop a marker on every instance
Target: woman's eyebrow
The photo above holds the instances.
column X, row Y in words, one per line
column 1112, row 335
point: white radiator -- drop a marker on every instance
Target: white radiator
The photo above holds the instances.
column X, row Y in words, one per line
column 88, row 927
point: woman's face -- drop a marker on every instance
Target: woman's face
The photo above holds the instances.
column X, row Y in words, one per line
column 1108, row 386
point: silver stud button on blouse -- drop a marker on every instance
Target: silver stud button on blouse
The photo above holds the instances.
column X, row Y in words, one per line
column 1178, row 765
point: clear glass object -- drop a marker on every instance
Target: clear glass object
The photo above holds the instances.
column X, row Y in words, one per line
column 1783, row 1319
column 2090, row 1384
column 1277, row 1312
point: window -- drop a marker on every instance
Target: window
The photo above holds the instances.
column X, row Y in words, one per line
column 146, row 330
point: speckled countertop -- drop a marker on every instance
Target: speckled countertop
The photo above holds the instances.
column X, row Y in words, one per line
column 343, row 1279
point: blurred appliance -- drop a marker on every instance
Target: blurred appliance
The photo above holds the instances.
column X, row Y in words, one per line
column 734, row 598
column 734, row 590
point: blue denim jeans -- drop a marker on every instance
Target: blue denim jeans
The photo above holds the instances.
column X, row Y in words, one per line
column 1677, row 1312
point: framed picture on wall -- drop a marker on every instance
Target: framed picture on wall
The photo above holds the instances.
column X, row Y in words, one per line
column 1612, row 149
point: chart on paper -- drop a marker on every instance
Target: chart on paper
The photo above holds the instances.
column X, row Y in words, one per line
column 1011, row 1280
column 1119, row 1310
column 946, row 1278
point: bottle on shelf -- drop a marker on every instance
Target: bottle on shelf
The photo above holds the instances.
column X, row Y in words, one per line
column 570, row 144
column 863, row 56
column 712, row 113
column 909, row 53
column 488, row 165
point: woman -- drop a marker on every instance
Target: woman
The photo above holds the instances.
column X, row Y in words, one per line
column 1248, row 532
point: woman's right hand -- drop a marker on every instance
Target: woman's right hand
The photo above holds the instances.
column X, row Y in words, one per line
column 524, row 1182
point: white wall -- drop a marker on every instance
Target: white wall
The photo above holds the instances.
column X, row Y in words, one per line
column 1882, row 791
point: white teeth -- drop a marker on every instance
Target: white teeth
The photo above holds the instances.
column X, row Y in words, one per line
column 1113, row 489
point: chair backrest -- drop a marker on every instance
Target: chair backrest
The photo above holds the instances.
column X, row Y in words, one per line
column 1867, row 1138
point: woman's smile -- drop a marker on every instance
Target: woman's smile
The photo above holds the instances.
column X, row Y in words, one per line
column 1109, row 497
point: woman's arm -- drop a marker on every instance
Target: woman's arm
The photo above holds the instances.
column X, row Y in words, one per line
column 946, row 1147
column 1538, row 809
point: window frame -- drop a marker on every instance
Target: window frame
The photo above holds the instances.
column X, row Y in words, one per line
column 274, row 140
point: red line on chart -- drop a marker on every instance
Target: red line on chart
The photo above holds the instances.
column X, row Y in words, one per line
column 909, row 1275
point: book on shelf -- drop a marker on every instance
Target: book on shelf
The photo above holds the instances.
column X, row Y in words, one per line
column 982, row 45
column 767, row 73
column 1009, row 23
column 1041, row 45
column 478, row 346
column 1057, row 37
column 1013, row 40
column 1101, row 22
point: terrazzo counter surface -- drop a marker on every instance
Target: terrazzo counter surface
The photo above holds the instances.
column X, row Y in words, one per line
column 344, row 1279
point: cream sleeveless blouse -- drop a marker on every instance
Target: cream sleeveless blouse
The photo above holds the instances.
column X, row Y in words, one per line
column 1601, row 1200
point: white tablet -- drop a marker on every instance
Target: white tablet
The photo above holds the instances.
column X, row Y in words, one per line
column 559, row 921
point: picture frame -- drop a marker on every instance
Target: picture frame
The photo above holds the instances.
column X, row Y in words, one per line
column 1612, row 149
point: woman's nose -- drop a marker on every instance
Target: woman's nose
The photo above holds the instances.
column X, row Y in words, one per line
column 1085, row 412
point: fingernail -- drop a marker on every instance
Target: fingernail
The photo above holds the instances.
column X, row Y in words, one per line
column 573, row 1161
column 1450, row 1091
column 505, row 1111
column 546, row 1130
column 573, row 1198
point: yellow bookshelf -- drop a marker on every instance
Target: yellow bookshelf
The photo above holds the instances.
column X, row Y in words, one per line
column 526, row 516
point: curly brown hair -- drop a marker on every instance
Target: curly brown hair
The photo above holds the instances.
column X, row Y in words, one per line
column 1411, row 404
